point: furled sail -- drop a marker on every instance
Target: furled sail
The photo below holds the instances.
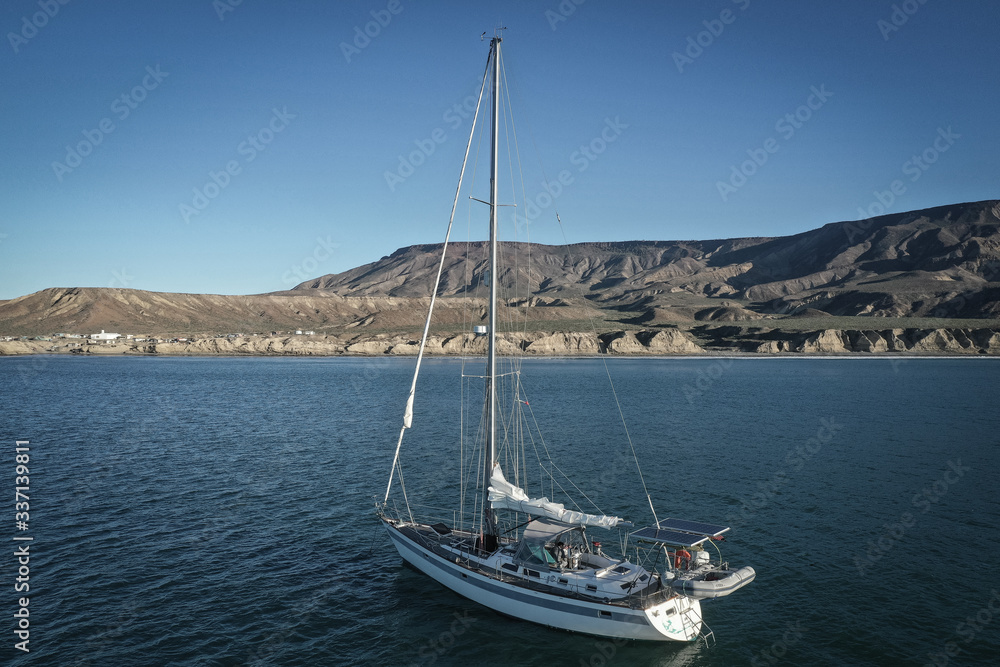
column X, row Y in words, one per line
column 504, row 495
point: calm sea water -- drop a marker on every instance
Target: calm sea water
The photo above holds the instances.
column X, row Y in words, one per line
column 219, row 511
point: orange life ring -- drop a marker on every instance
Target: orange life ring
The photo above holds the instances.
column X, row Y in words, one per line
column 682, row 555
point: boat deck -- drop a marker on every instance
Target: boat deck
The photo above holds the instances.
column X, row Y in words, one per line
column 460, row 547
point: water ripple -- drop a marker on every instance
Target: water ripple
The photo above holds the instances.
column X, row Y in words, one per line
column 219, row 511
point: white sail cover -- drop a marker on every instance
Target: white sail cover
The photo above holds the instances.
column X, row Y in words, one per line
column 504, row 495
column 408, row 414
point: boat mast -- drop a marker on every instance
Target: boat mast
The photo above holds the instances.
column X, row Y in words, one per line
column 489, row 521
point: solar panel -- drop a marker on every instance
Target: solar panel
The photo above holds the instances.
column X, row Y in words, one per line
column 672, row 537
column 695, row 527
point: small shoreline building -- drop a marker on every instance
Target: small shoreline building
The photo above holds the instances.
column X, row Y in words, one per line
column 105, row 337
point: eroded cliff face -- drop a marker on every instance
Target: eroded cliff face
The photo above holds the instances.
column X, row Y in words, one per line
column 888, row 341
column 666, row 342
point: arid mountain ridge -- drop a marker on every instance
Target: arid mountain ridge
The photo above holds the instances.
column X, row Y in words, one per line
column 924, row 270
column 939, row 262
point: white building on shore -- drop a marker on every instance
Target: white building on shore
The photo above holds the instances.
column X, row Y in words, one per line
column 104, row 337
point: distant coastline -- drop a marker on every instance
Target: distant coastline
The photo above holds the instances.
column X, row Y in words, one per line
column 706, row 342
column 916, row 283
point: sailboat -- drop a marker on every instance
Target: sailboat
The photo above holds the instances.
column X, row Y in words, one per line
column 532, row 558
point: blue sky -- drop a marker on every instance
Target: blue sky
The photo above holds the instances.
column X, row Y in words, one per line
column 669, row 120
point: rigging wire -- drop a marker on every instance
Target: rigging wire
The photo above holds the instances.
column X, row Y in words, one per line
column 517, row 388
column 408, row 413
column 402, row 486
column 513, row 423
column 593, row 326
column 464, row 477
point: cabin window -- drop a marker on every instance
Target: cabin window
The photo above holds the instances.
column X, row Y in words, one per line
column 564, row 581
column 531, row 573
column 605, row 614
column 592, row 588
column 535, row 554
column 509, row 567
column 621, row 569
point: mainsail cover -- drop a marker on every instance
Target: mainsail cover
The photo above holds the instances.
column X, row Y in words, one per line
column 504, row 495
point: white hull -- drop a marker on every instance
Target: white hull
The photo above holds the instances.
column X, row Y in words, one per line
column 677, row 619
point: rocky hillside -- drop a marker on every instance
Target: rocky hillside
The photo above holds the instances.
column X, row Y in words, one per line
column 939, row 262
column 931, row 270
column 91, row 309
